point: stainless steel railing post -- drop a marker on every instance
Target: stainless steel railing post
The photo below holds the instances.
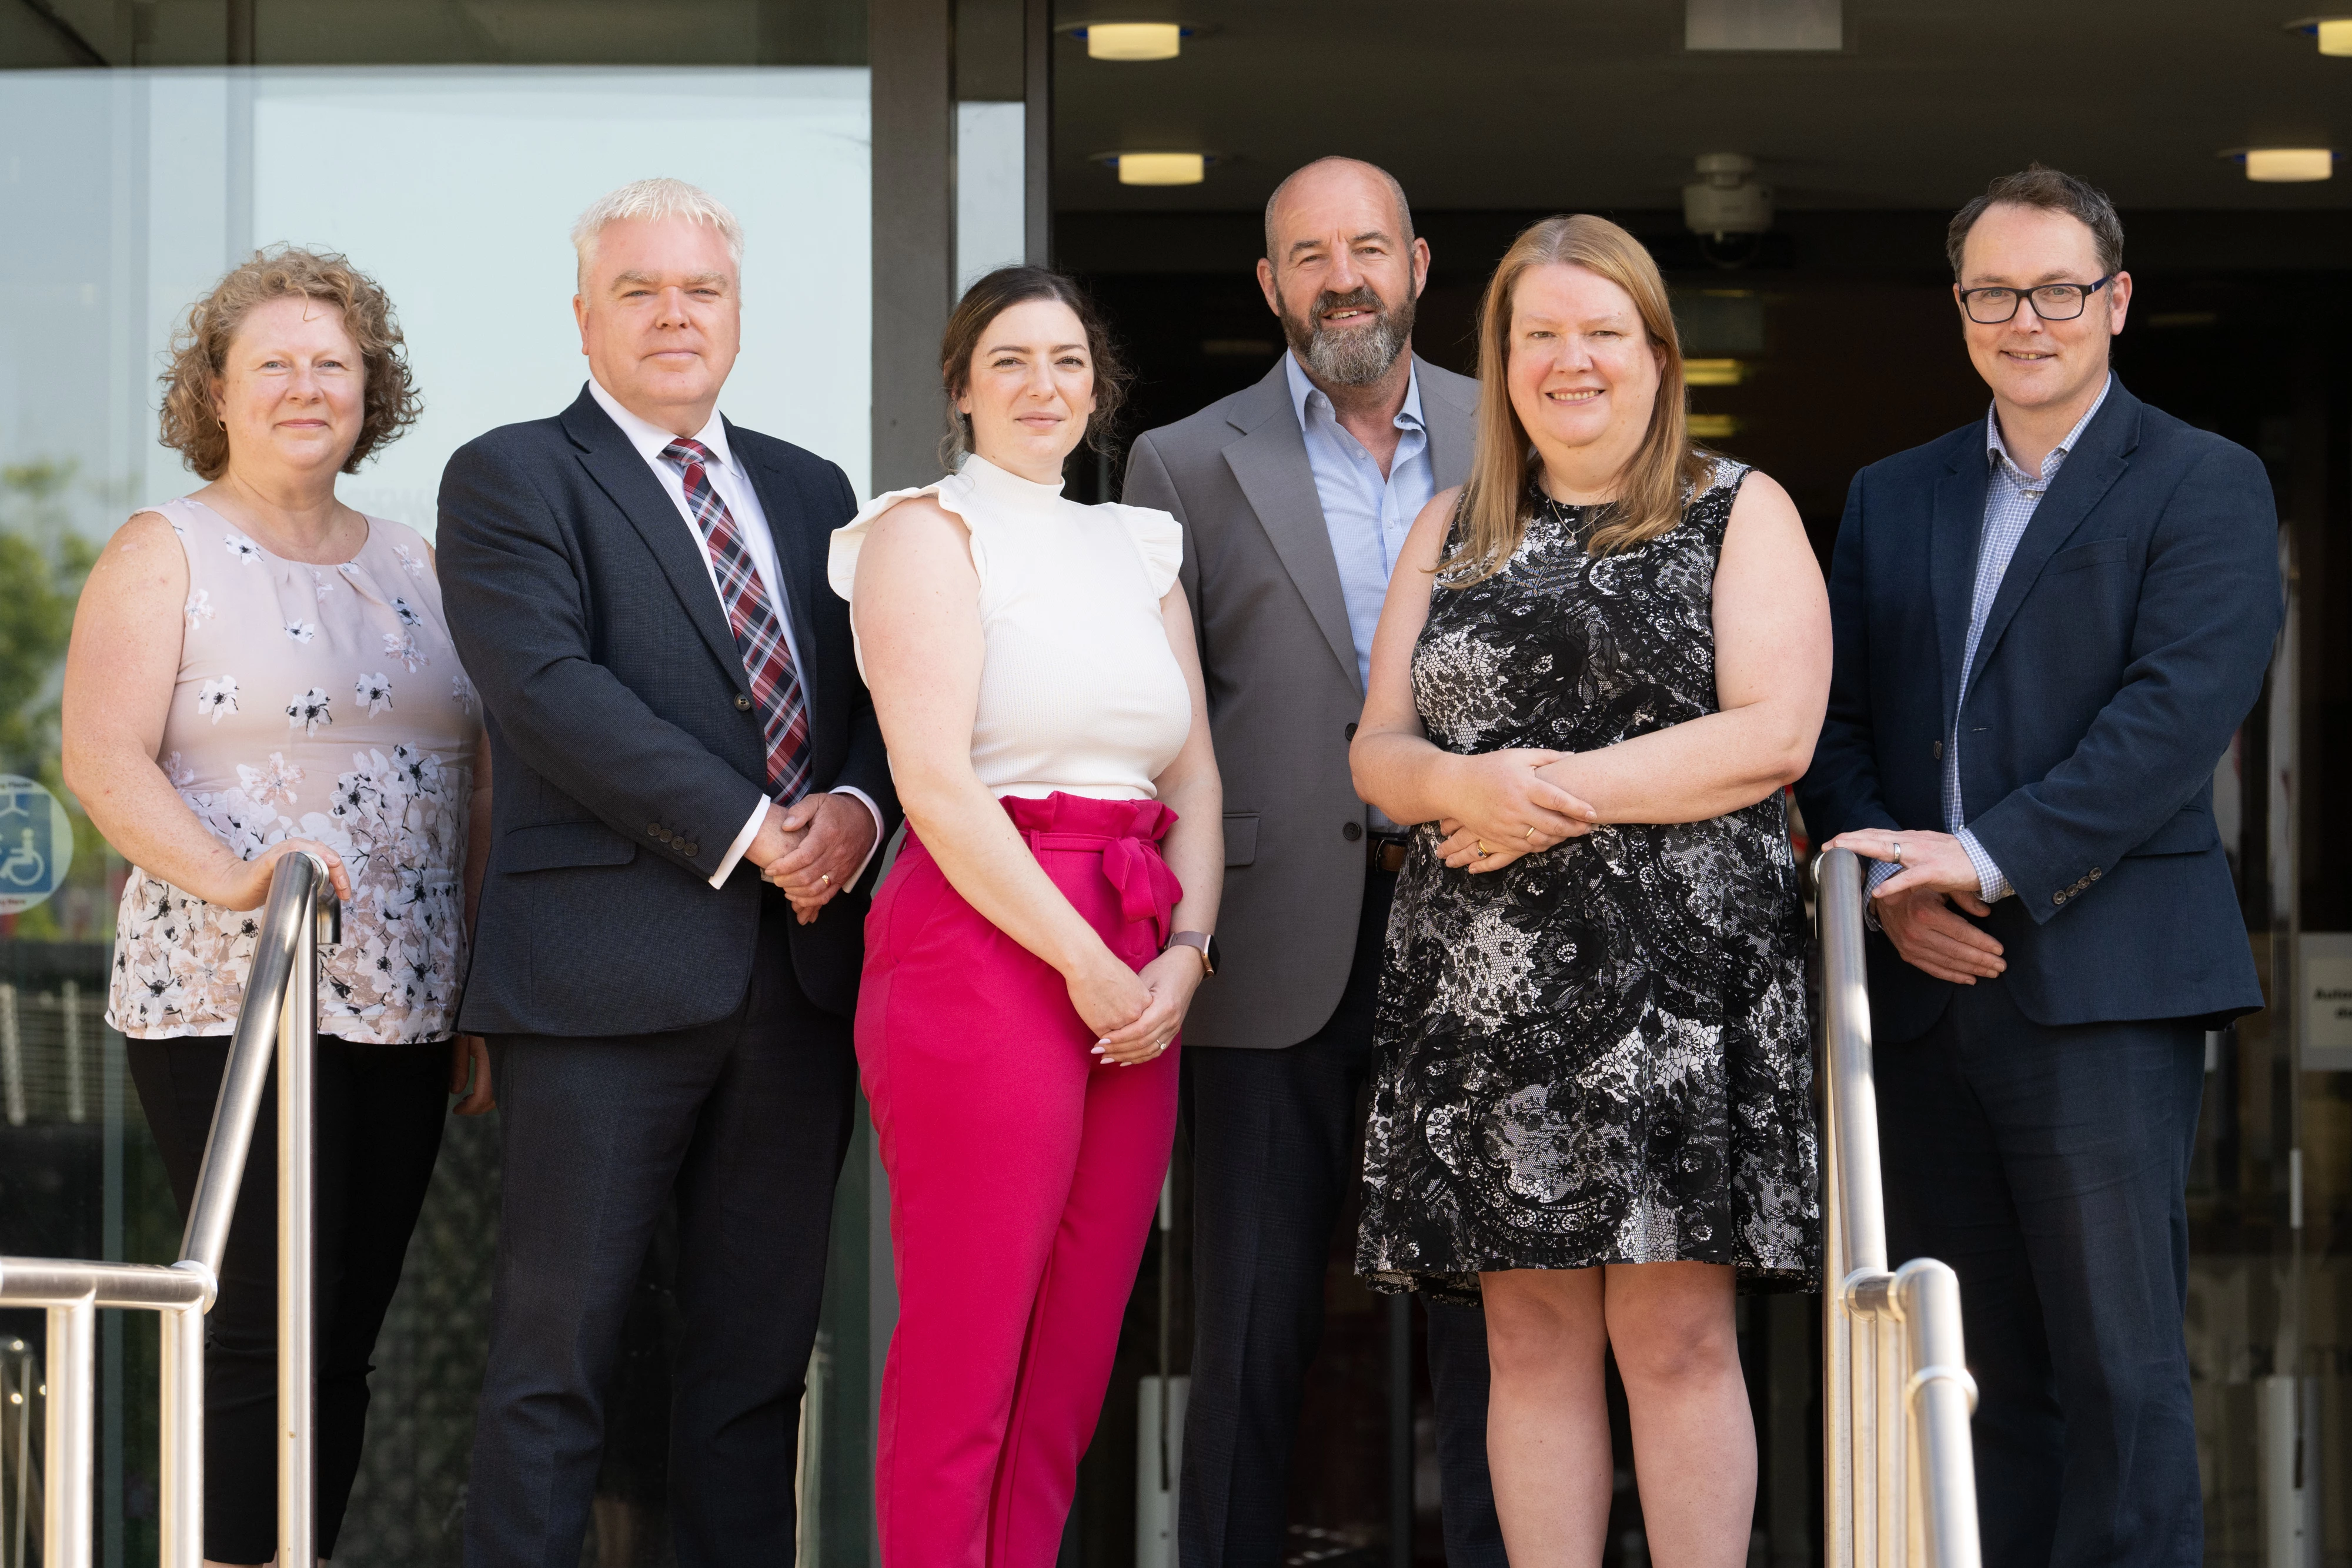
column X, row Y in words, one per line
column 1941, row 1395
column 1898, row 1473
column 296, row 882
column 70, row 1435
column 179, row 1503
column 280, row 1018
column 298, row 1044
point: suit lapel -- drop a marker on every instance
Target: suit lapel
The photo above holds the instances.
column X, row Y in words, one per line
column 2089, row 472
column 781, row 502
column 622, row 476
column 1269, row 463
column 1953, row 537
column 1452, row 426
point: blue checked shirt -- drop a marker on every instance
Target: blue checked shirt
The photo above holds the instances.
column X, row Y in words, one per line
column 2010, row 501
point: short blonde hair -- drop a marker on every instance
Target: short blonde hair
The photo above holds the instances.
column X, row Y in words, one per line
column 650, row 201
column 1663, row 469
column 199, row 352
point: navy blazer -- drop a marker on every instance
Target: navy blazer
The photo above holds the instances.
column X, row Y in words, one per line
column 627, row 752
column 2126, row 642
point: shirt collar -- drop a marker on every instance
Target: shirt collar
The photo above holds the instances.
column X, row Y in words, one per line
column 1303, row 392
column 1997, row 450
column 652, row 440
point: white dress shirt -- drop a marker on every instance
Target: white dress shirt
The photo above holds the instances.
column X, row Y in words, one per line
column 735, row 488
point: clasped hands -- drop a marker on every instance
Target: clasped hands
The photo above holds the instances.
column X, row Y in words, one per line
column 1508, row 809
column 1135, row 1013
column 811, row 849
column 1915, row 906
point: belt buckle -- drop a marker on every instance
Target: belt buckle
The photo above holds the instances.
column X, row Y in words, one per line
column 1385, row 852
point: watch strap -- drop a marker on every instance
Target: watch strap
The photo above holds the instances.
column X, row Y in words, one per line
column 1200, row 942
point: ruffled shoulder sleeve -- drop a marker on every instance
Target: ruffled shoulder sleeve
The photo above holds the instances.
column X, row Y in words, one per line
column 841, row 555
column 1159, row 539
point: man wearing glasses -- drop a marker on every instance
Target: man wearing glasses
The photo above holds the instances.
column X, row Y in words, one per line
column 2049, row 623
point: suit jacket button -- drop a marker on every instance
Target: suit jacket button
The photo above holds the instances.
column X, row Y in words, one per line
column 2059, row 897
column 2095, row 873
column 742, row 703
column 1352, row 831
column 1351, row 732
column 1940, row 751
column 655, row 832
column 690, row 849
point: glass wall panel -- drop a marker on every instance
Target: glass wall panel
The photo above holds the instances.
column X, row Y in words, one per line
column 445, row 149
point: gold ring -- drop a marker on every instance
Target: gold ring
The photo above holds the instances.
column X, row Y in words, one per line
column 1531, row 832
column 1483, row 850
column 824, row 879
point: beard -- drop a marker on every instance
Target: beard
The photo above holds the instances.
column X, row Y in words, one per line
column 1353, row 356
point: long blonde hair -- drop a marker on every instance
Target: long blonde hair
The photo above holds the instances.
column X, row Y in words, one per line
column 1667, row 465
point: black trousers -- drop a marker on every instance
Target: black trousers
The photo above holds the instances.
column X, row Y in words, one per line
column 745, row 1123
column 1275, row 1137
column 2046, row 1165
column 379, row 1112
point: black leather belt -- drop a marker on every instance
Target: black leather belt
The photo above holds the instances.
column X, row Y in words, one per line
column 1385, row 852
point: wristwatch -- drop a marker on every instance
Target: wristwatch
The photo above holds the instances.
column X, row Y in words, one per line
column 1201, row 943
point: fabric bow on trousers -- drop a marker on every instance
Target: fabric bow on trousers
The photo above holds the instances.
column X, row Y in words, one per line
column 1023, row 1173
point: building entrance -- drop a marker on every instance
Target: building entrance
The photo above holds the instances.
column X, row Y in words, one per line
column 1822, row 337
column 1791, row 164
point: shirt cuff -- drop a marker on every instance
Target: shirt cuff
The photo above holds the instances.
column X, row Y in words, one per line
column 1872, row 880
column 872, row 810
column 742, row 841
column 1990, row 882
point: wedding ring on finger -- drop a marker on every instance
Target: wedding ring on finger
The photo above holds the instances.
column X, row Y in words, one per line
column 1531, row 832
column 1897, row 849
column 824, row 879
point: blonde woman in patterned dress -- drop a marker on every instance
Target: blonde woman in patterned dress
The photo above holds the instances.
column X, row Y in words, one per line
column 257, row 670
column 1590, row 1098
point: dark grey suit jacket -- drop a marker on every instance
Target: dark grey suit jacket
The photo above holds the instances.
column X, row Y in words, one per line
column 627, row 752
column 1284, row 696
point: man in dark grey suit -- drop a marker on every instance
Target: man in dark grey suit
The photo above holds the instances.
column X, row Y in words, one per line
column 637, row 589
column 1296, row 495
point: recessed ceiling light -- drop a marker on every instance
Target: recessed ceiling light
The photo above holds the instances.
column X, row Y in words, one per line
column 1132, row 40
column 1162, row 168
column 2289, row 165
column 2332, row 33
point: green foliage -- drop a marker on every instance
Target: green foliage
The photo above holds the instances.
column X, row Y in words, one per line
column 43, row 563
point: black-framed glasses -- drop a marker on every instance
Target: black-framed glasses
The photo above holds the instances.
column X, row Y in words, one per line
column 2052, row 301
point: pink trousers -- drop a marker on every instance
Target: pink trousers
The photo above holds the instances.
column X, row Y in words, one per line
column 1024, row 1174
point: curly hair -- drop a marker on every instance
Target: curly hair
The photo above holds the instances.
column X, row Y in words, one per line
column 199, row 352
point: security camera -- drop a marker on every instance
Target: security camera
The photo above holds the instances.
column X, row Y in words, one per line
column 1726, row 200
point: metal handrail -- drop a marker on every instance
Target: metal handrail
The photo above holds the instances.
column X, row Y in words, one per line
column 281, row 1010
column 1898, row 1471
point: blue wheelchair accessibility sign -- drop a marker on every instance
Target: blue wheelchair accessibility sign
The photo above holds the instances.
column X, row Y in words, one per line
column 36, row 843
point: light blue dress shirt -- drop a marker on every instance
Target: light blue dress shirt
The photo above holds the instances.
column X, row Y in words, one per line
column 1367, row 513
column 2010, row 499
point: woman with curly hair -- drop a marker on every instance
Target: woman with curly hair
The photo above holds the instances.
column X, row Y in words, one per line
column 257, row 670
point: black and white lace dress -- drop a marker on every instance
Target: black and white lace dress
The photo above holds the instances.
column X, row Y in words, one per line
column 1599, row 1054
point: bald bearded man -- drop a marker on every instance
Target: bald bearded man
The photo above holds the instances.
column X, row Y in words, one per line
column 1296, row 495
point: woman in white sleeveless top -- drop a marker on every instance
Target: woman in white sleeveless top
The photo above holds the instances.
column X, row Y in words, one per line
column 257, row 670
column 1030, row 958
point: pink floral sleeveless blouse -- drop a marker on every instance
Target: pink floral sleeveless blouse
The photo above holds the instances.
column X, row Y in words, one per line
column 322, row 702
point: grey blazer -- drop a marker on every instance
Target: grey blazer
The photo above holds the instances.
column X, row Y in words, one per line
column 1284, row 696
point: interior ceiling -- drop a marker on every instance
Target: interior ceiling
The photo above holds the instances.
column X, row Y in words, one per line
column 1530, row 105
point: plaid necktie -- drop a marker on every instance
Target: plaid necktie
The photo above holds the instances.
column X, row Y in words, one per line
column 758, row 634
